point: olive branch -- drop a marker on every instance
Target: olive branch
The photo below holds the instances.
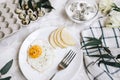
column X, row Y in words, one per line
column 5, row 69
column 115, row 7
column 94, row 43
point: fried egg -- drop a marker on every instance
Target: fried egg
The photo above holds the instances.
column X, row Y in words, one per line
column 40, row 55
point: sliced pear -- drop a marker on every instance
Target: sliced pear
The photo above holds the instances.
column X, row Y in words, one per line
column 55, row 38
column 67, row 38
column 51, row 40
column 59, row 40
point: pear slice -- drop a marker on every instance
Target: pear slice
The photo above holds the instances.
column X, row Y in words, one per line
column 67, row 38
column 59, row 40
column 55, row 38
column 51, row 40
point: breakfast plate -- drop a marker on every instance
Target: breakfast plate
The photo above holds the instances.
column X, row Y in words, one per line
column 43, row 34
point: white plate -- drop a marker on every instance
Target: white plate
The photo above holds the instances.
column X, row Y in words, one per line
column 32, row 74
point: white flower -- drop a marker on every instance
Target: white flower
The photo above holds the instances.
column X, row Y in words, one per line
column 105, row 6
column 113, row 20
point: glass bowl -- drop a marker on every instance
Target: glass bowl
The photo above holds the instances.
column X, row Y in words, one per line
column 81, row 11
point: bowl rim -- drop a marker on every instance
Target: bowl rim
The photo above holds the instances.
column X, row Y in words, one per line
column 78, row 21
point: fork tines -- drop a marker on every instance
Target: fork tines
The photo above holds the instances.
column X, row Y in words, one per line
column 68, row 58
column 65, row 61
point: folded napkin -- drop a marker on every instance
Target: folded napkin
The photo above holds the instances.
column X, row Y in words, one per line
column 111, row 39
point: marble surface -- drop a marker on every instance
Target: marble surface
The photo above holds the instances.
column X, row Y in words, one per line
column 9, row 47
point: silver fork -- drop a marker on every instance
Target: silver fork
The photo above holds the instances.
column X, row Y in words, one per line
column 65, row 62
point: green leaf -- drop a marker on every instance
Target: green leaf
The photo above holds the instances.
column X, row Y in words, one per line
column 91, row 39
column 114, row 64
column 114, row 5
column 95, row 47
column 47, row 6
column 7, row 78
column 107, row 49
column 49, row 10
column 39, row 5
column 101, row 37
column 92, row 43
column 20, row 2
column 103, row 56
column 116, row 8
column 6, row 68
column 30, row 4
column 118, row 56
column 43, row 1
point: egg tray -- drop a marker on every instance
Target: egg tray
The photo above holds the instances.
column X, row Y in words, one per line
column 9, row 23
column 9, row 20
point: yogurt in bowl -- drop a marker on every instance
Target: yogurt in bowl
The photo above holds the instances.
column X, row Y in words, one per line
column 81, row 11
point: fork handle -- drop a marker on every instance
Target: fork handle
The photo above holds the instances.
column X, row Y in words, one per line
column 53, row 76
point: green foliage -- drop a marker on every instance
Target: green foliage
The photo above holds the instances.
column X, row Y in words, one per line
column 114, row 64
column 116, row 8
column 94, row 43
column 45, row 4
column 20, row 2
column 30, row 4
column 107, row 56
column 118, row 56
column 5, row 69
column 7, row 78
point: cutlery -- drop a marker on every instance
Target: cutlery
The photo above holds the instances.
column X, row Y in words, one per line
column 65, row 62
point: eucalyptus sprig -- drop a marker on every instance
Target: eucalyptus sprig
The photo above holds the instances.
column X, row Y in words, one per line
column 94, row 43
column 20, row 3
column 5, row 69
column 115, row 7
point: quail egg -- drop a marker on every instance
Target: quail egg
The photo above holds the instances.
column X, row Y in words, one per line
column 25, row 6
column 18, row 11
column 33, row 17
column 29, row 11
column 40, row 13
column 25, row 21
column 22, row 16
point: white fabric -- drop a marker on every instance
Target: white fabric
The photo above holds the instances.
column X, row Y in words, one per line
column 111, row 41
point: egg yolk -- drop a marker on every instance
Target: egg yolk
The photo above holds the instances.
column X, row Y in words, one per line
column 35, row 51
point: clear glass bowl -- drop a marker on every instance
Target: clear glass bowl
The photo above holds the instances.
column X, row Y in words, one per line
column 81, row 11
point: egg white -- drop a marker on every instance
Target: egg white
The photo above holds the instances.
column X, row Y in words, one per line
column 44, row 61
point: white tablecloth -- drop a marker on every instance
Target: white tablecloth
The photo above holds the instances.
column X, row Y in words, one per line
column 9, row 47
